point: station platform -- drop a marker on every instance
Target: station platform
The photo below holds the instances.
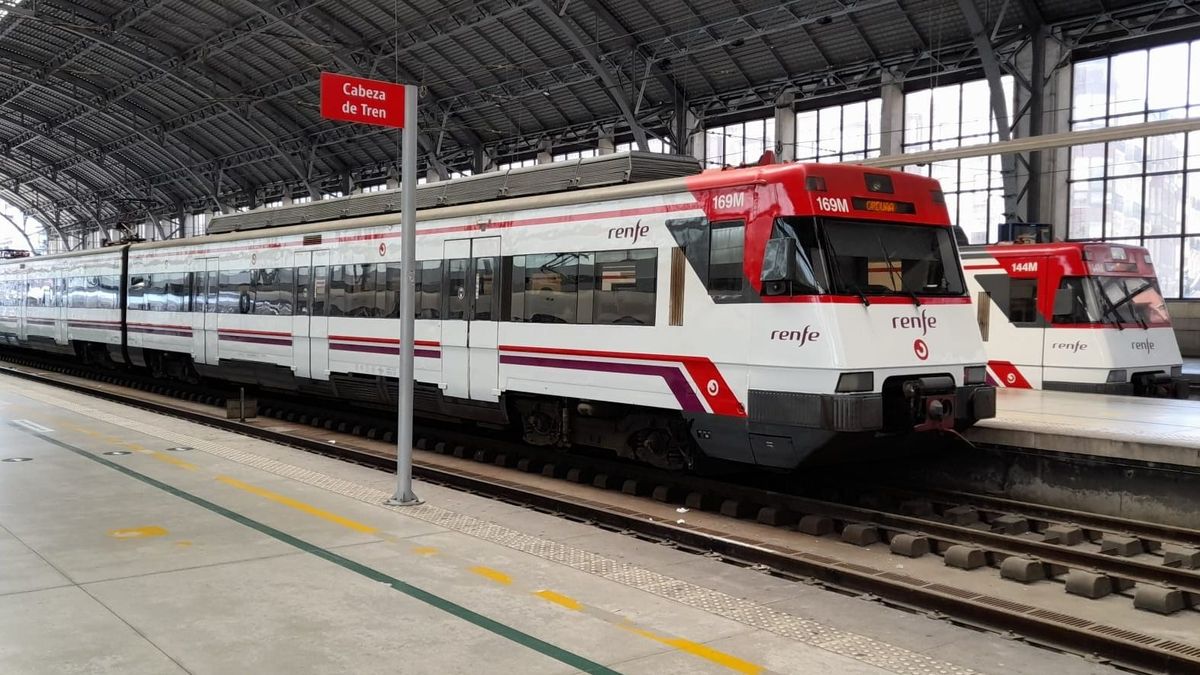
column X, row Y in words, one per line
column 135, row 543
column 1164, row 431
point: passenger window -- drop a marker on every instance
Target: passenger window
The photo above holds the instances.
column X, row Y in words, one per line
column 551, row 288
column 725, row 253
column 337, row 290
column 428, row 298
column 393, row 282
column 1022, row 299
column 320, row 290
column 456, row 289
column 625, row 287
column 361, row 291
column 273, row 292
column 303, row 290
column 236, row 292
column 137, row 289
column 485, row 289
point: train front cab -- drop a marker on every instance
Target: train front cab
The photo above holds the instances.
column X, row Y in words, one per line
column 1075, row 317
column 860, row 324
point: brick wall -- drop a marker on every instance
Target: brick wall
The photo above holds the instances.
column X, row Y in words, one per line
column 1186, row 317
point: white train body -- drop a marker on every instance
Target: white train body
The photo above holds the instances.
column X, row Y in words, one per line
column 1074, row 316
column 612, row 317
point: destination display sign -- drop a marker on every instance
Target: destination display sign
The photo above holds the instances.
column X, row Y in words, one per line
column 356, row 99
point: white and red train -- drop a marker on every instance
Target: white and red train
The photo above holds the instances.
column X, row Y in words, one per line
column 1074, row 316
column 755, row 315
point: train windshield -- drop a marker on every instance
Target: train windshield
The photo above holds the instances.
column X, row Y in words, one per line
column 868, row 258
column 1113, row 300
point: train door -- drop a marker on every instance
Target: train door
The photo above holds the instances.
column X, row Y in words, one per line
column 208, row 319
column 61, row 288
column 318, row 320
column 470, row 328
column 300, row 316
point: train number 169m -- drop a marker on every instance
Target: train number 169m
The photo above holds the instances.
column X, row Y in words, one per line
column 840, row 204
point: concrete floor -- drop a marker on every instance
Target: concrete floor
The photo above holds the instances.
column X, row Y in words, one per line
column 123, row 556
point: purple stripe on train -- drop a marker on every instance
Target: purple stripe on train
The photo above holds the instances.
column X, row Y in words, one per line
column 257, row 340
column 384, row 349
column 671, row 375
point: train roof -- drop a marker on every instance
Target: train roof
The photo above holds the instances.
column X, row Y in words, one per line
column 1050, row 248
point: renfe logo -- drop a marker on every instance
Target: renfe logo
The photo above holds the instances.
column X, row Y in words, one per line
column 923, row 321
column 1073, row 347
column 635, row 231
column 1143, row 346
column 801, row 336
column 920, row 349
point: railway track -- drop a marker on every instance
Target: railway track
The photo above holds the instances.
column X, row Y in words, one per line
column 1091, row 555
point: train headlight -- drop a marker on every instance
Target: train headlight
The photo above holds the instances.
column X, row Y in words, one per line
column 974, row 374
column 851, row 382
column 1118, row 376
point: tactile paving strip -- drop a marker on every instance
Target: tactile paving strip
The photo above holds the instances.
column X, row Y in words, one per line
column 865, row 649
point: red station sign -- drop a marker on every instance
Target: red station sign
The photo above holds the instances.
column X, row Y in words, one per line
column 356, row 99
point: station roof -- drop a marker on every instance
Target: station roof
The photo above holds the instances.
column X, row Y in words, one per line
column 119, row 111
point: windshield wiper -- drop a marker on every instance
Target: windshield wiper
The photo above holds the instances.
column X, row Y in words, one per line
column 892, row 272
column 1112, row 309
column 861, row 296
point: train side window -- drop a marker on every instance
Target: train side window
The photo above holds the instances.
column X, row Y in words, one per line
column 337, row 290
column 1022, row 299
column 320, row 291
column 360, row 291
column 457, row 273
column 725, row 253
column 389, row 289
column 551, row 288
column 485, row 290
column 427, row 300
column 273, row 292
column 516, row 284
column 303, row 290
column 625, row 287
column 235, row 292
column 137, row 289
column 178, row 293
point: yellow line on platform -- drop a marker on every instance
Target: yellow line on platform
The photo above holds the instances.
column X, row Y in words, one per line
column 560, row 599
column 163, row 457
column 495, row 575
column 299, row 506
column 696, row 649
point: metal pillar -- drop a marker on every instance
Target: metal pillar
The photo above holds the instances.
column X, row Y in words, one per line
column 891, row 126
column 408, row 260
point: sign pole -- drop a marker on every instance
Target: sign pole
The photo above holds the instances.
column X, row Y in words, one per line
column 408, row 222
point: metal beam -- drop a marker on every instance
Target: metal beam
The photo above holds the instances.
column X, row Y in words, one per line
column 991, row 69
column 1034, row 143
column 611, row 85
column 21, row 231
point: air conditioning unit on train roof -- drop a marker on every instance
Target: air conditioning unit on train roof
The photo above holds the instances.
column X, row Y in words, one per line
column 576, row 174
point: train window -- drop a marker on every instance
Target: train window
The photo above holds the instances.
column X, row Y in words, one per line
column 110, row 292
column 320, row 292
column 235, row 294
column 625, row 285
column 485, row 290
column 273, row 290
column 456, row 289
column 136, row 289
column 428, row 299
column 212, row 292
column 360, row 281
column 1022, row 300
column 551, row 288
column 303, row 290
column 177, row 295
column 725, row 253
column 389, row 289
column 337, row 290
